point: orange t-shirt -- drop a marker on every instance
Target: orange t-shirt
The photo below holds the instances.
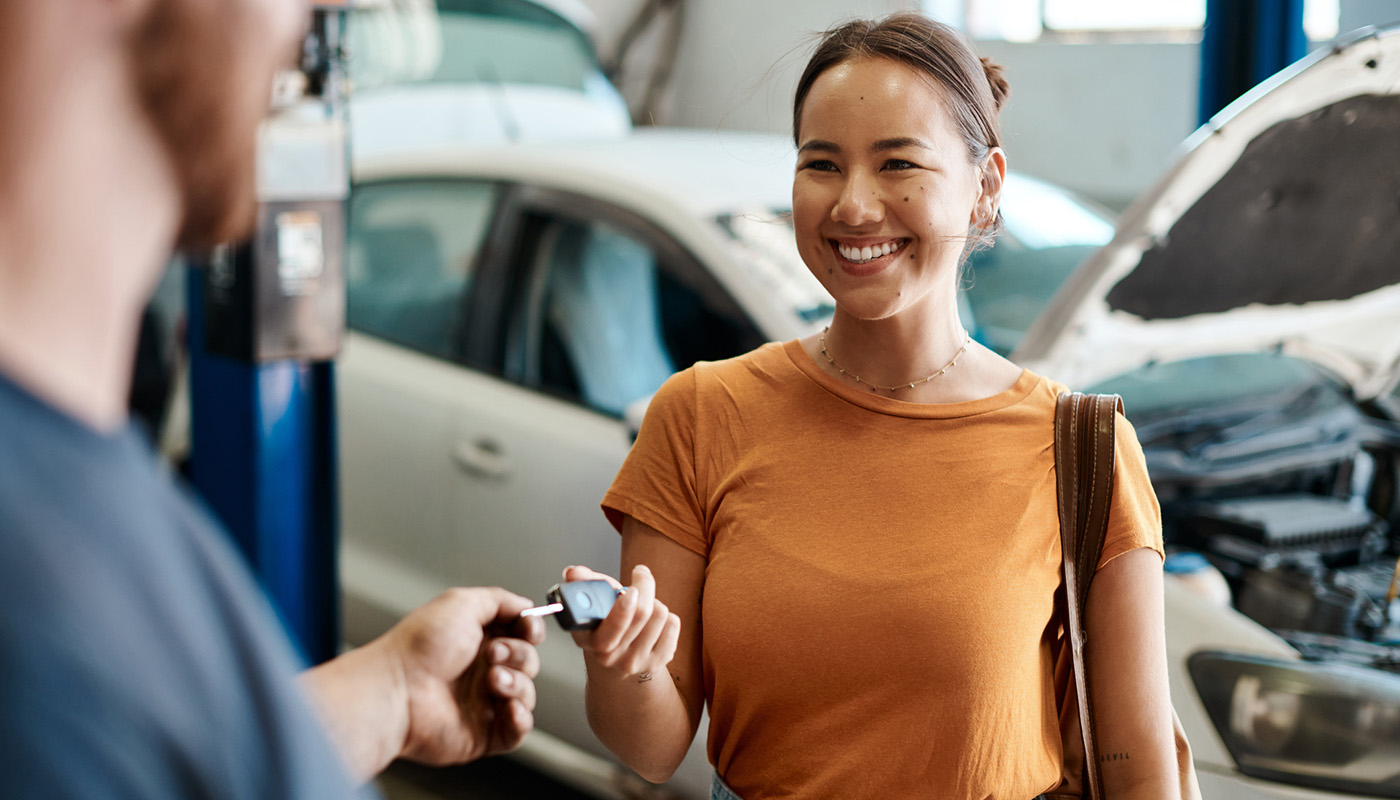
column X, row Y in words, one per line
column 876, row 617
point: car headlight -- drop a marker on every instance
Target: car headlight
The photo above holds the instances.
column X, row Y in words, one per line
column 1325, row 726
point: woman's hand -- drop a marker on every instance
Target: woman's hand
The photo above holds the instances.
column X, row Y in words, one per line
column 638, row 638
column 645, row 694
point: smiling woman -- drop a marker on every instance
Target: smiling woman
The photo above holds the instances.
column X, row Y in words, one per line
column 920, row 496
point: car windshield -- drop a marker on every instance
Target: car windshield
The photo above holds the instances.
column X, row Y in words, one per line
column 1048, row 232
column 1198, row 388
column 471, row 41
column 763, row 241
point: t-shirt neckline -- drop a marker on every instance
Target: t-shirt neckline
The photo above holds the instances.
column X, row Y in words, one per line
column 58, row 422
column 883, row 404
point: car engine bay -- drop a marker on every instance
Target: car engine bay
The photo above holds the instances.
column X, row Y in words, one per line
column 1302, row 519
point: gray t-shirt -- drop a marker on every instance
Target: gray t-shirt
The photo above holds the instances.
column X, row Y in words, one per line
column 138, row 658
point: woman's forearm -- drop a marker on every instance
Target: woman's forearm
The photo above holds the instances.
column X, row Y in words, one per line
column 641, row 718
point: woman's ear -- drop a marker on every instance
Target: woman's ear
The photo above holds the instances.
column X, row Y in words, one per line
column 992, row 172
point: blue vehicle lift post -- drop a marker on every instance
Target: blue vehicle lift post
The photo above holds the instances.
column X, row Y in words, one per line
column 263, row 457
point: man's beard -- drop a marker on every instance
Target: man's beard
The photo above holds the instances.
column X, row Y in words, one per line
column 192, row 65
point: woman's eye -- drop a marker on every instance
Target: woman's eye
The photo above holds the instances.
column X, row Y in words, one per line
column 900, row 164
column 820, row 165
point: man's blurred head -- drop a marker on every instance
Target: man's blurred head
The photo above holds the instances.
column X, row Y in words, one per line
column 203, row 74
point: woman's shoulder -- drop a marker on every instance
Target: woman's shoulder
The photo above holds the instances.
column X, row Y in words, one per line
column 762, row 362
column 704, row 379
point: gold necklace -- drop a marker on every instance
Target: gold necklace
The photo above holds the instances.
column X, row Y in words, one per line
column 875, row 387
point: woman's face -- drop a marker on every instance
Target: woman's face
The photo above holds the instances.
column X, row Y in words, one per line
column 884, row 194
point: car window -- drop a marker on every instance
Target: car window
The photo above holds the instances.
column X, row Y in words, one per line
column 471, row 41
column 411, row 254
column 610, row 316
column 1048, row 232
column 762, row 239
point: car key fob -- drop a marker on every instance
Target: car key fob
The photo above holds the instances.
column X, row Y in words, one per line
column 578, row 605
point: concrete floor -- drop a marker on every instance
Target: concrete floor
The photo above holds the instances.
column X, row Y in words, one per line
column 489, row 779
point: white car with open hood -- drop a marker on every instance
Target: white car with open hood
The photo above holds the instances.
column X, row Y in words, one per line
column 1248, row 310
column 512, row 307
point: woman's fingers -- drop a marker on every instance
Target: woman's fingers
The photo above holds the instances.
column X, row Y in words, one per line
column 643, row 655
column 578, row 573
column 588, row 639
column 628, row 639
column 644, row 606
column 670, row 638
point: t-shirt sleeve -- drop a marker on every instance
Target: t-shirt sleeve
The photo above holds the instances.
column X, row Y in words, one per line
column 1134, row 519
column 658, row 485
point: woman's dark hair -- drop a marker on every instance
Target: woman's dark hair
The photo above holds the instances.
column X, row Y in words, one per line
column 974, row 88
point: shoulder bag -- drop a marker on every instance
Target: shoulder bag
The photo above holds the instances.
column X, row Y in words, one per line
column 1084, row 445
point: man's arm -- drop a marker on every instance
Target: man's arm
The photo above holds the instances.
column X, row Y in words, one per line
column 439, row 687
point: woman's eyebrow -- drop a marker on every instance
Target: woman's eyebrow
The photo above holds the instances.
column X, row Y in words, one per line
column 897, row 144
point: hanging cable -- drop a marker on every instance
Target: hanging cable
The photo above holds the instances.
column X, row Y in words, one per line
column 663, row 67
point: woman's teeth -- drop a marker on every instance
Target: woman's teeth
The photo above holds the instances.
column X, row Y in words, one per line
column 860, row 255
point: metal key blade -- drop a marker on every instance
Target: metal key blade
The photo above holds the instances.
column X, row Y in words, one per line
column 543, row 611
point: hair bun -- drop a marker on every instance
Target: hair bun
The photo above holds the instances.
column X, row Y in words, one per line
column 996, row 78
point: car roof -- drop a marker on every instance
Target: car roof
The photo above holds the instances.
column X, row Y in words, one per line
column 705, row 172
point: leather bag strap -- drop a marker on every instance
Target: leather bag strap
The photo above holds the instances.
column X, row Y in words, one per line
column 1084, row 445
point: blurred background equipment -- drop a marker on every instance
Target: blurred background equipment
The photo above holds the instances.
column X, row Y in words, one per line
column 266, row 317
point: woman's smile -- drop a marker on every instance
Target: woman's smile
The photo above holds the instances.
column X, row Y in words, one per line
column 865, row 257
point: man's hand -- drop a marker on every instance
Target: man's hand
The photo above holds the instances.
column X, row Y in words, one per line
column 451, row 682
column 469, row 692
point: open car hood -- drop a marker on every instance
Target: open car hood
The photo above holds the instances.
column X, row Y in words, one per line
column 1278, row 227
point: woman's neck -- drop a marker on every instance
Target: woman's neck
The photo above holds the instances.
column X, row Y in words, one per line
column 910, row 347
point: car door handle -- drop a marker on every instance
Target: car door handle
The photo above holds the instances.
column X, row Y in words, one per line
column 482, row 458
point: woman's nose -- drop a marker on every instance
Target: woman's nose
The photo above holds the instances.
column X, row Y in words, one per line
column 859, row 202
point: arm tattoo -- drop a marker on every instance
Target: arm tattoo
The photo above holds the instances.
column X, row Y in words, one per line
column 644, row 677
column 1104, row 758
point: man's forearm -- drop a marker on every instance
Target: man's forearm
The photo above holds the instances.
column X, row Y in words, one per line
column 361, row 699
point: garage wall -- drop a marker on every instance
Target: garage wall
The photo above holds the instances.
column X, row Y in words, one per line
column 1360, row 13
column 739, row 59
column 1101, row 118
